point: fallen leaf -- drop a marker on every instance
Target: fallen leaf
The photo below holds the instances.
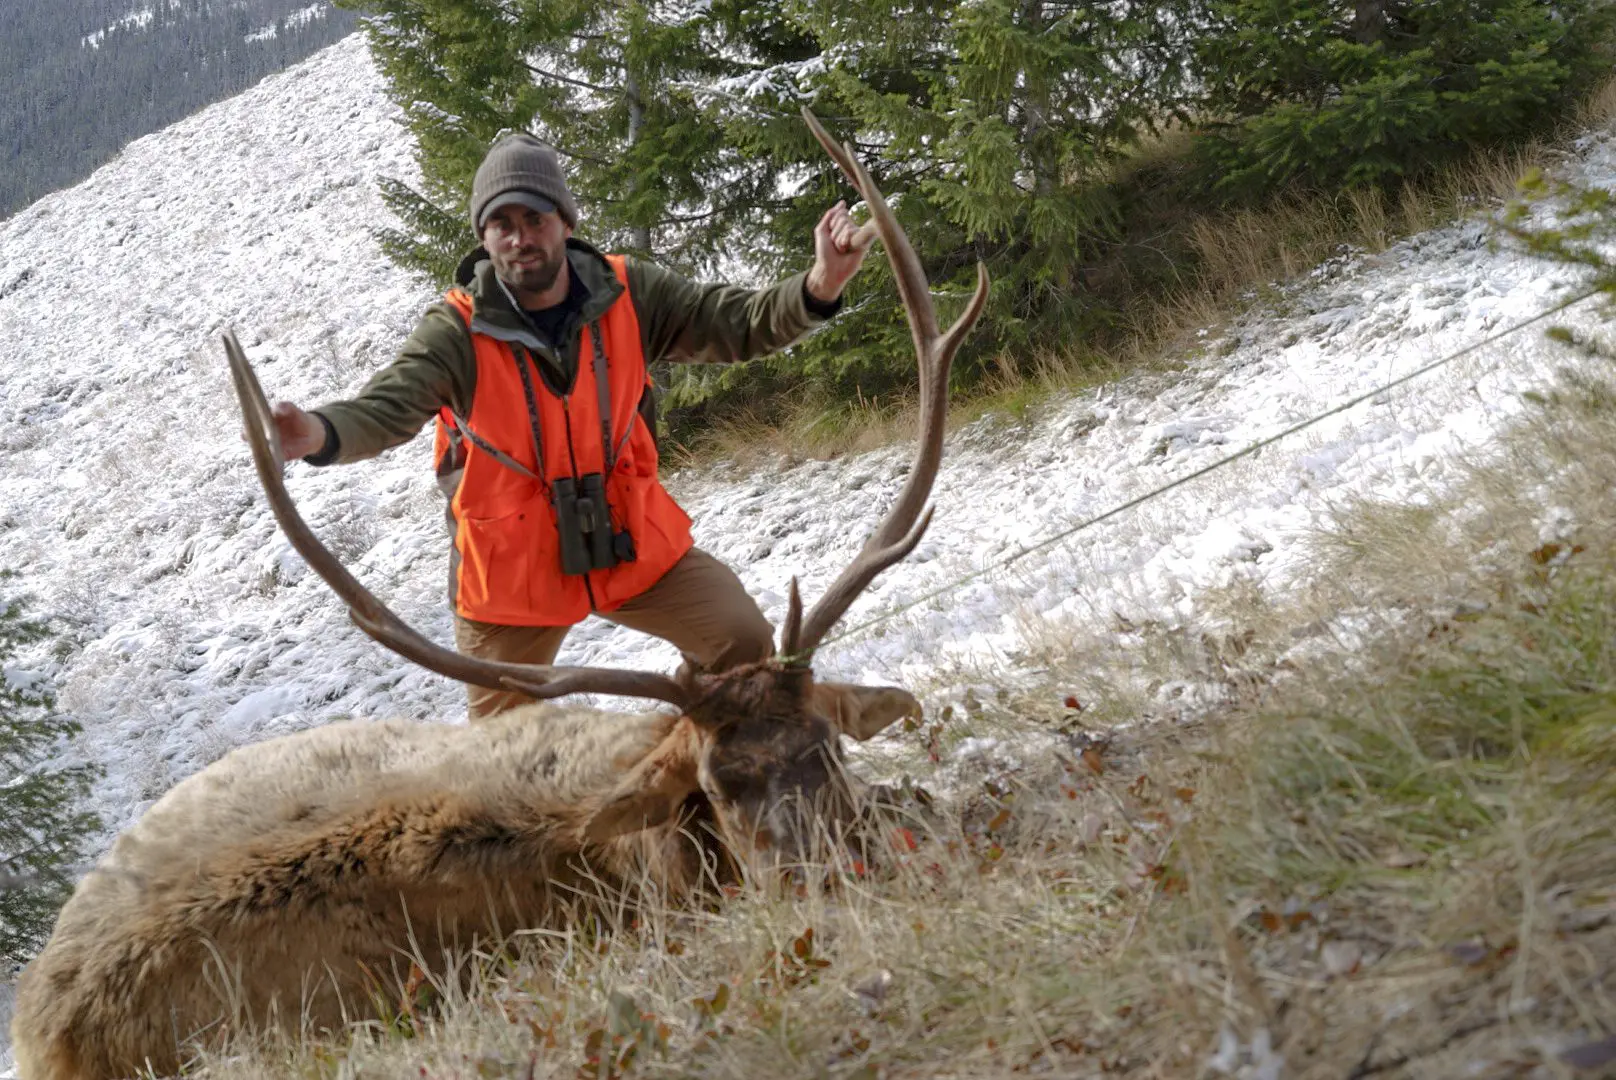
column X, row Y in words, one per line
column 1091, row 758
column 1469, row 953
column 1590, row 1056
column 1546, row 553
column 1074, row 704
column 1406, row 860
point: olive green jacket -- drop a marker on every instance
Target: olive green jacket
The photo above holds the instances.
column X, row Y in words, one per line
column 679, row 321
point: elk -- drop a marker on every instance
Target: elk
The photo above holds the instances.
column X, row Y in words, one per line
column 285, row 883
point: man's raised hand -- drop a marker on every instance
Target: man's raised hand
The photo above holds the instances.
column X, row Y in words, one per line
column 839, row 249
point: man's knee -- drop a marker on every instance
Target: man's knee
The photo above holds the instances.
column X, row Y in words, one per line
column 702, row 607
column 747, row 636
column 751, row 639
column 508, row 644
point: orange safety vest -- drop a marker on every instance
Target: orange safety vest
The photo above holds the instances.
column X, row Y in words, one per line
column 507, row 568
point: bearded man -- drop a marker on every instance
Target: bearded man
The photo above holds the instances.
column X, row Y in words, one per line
column 535, row 367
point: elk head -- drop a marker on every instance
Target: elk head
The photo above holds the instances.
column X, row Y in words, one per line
column 751, row 741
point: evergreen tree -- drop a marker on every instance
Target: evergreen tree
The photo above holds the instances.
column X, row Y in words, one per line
column 1354, row 92
column 44, row 829
column 992, row 126
column 614, row 87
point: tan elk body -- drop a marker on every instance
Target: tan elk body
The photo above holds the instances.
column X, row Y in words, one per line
column 285, row 883
column 181, row 920
column 367, row 845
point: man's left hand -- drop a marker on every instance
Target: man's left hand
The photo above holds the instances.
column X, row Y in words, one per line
column 839, row 250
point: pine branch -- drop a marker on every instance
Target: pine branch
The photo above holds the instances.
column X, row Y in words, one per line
column 607, row 91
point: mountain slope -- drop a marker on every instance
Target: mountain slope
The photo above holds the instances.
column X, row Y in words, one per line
column 81, row 78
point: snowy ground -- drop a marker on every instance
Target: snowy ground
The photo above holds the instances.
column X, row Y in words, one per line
column 128, row 501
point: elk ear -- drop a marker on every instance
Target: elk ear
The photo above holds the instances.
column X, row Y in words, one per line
column 653, row 789
column 861, row 712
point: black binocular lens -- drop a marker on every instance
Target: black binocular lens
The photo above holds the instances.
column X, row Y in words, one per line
column 584, row 520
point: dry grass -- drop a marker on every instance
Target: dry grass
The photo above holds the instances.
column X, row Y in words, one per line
column 811, row 431
column 1241, row 255
column 1390, row 850
column 1599, row 111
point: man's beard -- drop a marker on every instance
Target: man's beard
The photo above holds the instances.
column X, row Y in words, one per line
column 534, row 279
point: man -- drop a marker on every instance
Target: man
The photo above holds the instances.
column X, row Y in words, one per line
column 536, row 369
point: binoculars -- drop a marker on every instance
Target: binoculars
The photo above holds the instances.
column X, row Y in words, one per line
column 585, row 523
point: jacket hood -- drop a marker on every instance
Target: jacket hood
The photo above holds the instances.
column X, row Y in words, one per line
column 476, row 275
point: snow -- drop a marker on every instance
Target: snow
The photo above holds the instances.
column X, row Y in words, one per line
column 138, row 19
column 300, row 17
column 128, row 502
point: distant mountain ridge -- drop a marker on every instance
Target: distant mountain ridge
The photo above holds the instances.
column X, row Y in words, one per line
column 80, row 79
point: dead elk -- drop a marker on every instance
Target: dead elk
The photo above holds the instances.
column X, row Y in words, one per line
column 291, row 879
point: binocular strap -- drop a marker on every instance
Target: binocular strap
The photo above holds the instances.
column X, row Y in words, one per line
column 603, row 391
column 491, row 450
column 524, row 367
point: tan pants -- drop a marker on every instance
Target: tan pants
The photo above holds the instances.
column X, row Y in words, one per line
column 699, row 605
column 702, row 608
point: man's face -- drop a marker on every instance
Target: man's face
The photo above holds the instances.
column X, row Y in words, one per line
column 528, row 248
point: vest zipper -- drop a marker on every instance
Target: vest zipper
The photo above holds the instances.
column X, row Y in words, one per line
column 572, row 458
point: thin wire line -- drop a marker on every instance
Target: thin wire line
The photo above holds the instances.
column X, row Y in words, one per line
column 1065, row 534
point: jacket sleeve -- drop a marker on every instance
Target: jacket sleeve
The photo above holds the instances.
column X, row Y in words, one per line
column 434, row 368
column 716, row 324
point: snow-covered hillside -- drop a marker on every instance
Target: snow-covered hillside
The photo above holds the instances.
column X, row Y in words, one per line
column 128, row 501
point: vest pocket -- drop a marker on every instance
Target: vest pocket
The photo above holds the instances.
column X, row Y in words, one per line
column 505, row 576
column 661, row 535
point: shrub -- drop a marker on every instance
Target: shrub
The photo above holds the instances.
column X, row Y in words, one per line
column 44, row 829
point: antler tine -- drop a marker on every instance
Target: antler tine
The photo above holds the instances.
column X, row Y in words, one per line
column 375, row 619
column 903, row 526
column 791, row 631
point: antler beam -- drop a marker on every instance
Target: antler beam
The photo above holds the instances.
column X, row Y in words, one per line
column 904, row 524
column 375, row 619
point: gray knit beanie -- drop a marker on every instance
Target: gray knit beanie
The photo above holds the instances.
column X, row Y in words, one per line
column 517, row 168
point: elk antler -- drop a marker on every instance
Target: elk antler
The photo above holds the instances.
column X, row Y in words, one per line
column 373, row 617
column 904, row 524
